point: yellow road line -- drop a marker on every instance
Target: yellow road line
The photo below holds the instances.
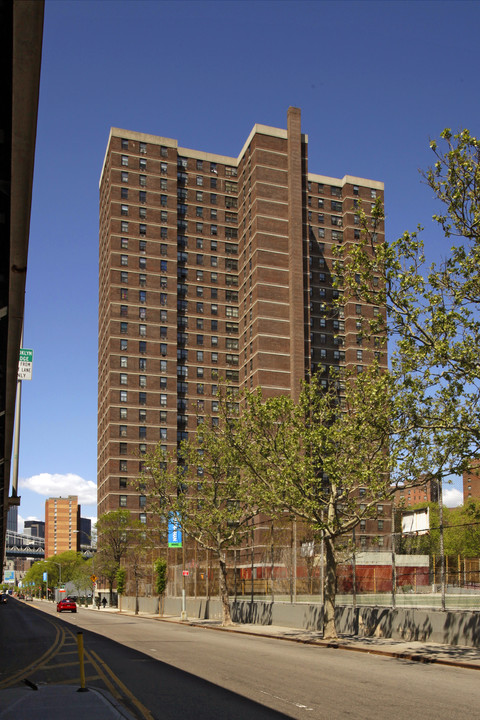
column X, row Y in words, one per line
column 42, row 660
column 140, row 707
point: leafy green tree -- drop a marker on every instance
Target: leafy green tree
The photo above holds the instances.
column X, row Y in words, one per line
column 161, row 571
column 160, row 568
column 138, row 566
column 65, row 567
column 205, row 490
column 327, row 460
column 35, row 573
column 432, row 319
column 116, row 530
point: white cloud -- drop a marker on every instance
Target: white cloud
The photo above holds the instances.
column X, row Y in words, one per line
column 56, row 485
column 452, row 497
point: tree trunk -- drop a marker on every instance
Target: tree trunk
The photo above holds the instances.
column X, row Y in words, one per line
column 329, row 627
column 225, row 599
column 136, row 597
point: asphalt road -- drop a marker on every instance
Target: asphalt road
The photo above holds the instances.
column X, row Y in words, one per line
column 177, row 671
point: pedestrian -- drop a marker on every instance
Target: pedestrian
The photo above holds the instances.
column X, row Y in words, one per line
column 104, row 602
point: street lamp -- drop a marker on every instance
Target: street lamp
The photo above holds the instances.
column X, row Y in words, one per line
column 60, row 573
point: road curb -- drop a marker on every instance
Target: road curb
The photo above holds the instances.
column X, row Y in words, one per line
column 334, row 645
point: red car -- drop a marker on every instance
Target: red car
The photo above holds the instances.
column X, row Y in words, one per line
column 67, row 606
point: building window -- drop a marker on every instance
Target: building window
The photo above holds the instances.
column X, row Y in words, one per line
column 125, row 160
column 124, row 328
column 123, row 396
column 199, row 180
column 123, row 379
column 142, row 330
column 123, row 344
column 124, row 177
column 142, row 398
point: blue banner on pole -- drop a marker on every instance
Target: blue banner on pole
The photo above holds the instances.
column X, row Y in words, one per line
column 174, row 532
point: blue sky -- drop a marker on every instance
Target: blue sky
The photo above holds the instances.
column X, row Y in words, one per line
column 374, row 80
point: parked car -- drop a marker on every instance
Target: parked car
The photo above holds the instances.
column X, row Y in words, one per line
column 67, row 605
column 29, row 598
column 3, row 598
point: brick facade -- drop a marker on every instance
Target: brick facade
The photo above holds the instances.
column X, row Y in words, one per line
column 212, row 268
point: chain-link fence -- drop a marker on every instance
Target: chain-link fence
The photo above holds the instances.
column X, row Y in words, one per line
column 288, row 565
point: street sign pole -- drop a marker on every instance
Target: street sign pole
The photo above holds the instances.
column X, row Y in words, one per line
column 184, row 597
column 25, row 363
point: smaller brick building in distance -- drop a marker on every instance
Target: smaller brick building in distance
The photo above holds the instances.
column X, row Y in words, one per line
column 62, row 525
column 471, row 483
column 407, row 497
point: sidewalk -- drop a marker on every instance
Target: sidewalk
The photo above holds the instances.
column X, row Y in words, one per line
column 51, row 701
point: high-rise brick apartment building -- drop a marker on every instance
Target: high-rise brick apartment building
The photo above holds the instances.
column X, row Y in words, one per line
column 211, row 268
column 62, row 525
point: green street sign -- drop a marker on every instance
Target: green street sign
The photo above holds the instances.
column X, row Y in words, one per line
column 26, row 355
column 25, row 364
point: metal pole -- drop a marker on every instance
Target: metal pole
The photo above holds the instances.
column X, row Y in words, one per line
column 272, row 569
column 322, row 567
column 442, row 550
column 251, row 589
column 295, row 560
column 184, row 601
column 354, row 571
column 81, row 661
column 394, row 566
column 16, row 436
